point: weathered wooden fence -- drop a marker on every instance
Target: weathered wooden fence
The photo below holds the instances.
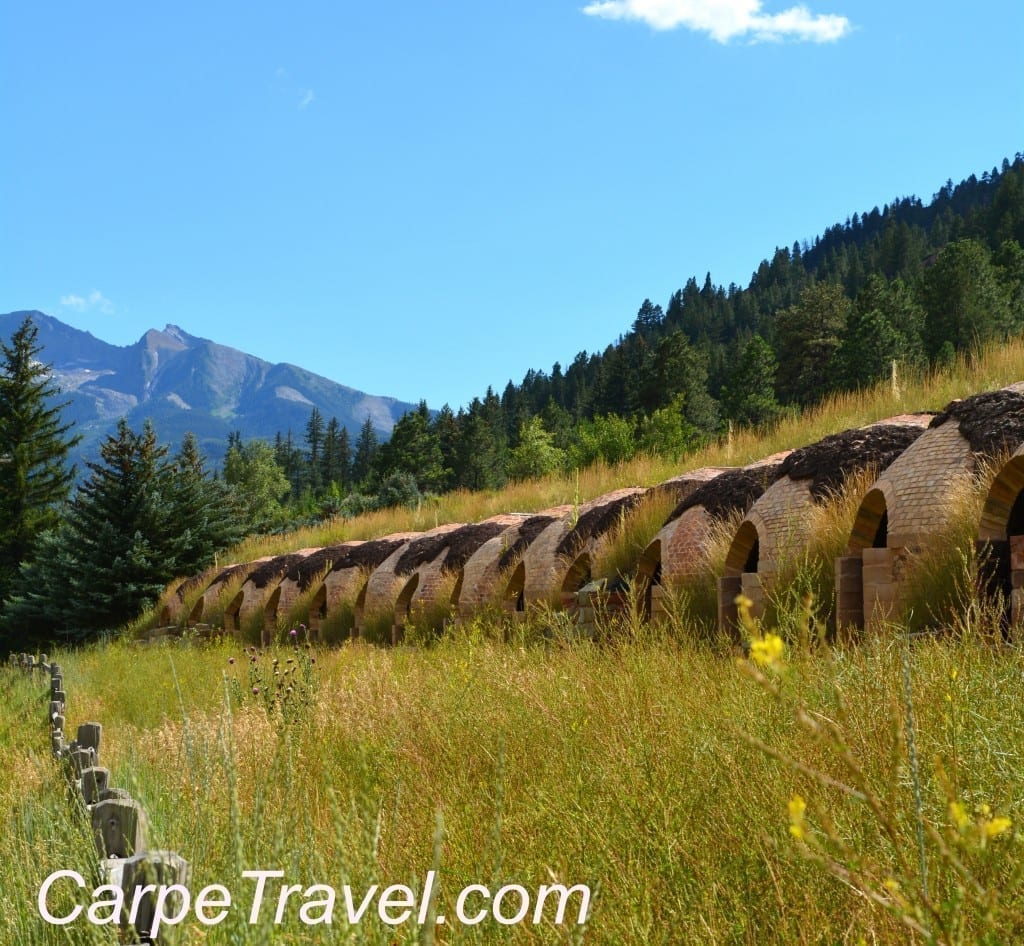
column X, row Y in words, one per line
column 118, row 821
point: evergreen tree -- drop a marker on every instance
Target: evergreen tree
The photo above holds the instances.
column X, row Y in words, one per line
column 128, row 542
column 118, row 547
column 966, row 303
column 365, row 454
column 289, row 458
column 884, row 326
column 314, row 455
column 415, row 449
column 337, row 456
column 447, row 431
column 807, row 337
column 750, row 396
column 35, row 477
column 202, row 507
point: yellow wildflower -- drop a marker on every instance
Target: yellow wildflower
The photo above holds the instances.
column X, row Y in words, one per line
column 997, row 826
column 797, row 817
column 958, row 815
column 767, row 651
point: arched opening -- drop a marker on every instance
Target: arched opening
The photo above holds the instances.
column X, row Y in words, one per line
column 514, row 598
column 1015, row 524
column 402, row 608
column 270, row 609
column 231, row 612
column 577, row 576
column 359, row 610
column 745, row 551
column 648, row 576
column 165, row 615
column 318, row 611
column 195, row 616
column 881, row 539
column 871, row 527
column 453, row 601
column 753, row 557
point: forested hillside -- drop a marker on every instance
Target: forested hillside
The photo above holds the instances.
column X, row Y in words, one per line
column 910, row 283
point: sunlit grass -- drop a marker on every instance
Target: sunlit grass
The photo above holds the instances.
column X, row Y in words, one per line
column 622, row 765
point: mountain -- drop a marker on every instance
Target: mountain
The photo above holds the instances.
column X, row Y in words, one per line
column 184, row 383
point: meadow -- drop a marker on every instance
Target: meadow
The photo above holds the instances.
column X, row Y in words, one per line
column 820, row 790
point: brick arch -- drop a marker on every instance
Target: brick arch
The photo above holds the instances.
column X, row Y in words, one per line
column 648, row 566
column 360, row 606
column 453, row 601
column 231, row 619
column 514, row 596
column 271, row 609
column 577, row 574
column 1004, row 509
column 403, row 607
column 318, row 609
column 745, row 549
column 872, row 518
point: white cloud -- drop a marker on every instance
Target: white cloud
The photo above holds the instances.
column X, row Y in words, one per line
column 95, row 300
column 307, row 99
column 724, row 20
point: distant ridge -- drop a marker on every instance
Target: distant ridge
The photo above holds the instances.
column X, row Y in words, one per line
column 185, row 383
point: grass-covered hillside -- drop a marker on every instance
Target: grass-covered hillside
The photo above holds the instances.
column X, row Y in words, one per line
column 812, row 791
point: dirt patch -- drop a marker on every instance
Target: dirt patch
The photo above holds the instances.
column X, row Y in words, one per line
column 264, row 573
column 730, row 491
column 465, row 542
column 528, row 531
column 991, row 423
column 597, row 521
column 830, row 461
column 366, row 554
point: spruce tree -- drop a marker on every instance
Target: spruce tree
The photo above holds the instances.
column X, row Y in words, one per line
column 202, row 507
column 314, row 456
column 117, row 547
column 365, row 455
column 128, row 541
column 35, row 476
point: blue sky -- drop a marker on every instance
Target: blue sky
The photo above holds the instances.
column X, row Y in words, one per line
column 421, row 199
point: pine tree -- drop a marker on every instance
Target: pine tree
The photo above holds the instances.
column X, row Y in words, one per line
column 128, row 542
column 366, row 453
column 337, row 456
column 203, row 509
column 35, row 477
column 314, row 456
column 415, row 449
column 119, row 545
column 807, row 337
column 750, row 396
column 966, row 303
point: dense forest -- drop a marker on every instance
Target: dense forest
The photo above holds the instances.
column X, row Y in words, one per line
column 908, row 285
column 895, row 289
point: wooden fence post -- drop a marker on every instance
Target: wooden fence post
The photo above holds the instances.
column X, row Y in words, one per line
column 94, row 781
column 150, row 868
column 119, row 827
column 89, row 735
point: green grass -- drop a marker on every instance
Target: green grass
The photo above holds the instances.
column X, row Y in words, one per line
column 625, row 766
